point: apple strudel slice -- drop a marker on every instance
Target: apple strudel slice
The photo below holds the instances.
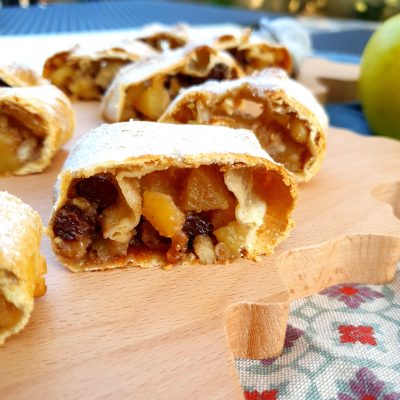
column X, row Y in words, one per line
column 287, row 120
column 85, row 73
column 144, row 90
column 35, row 122
column 21, row 265
column 253, row 53
column 18, row 75
column 163, row 37
column 149, row 194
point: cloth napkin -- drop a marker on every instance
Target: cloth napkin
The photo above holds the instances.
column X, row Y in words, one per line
column 343, row 343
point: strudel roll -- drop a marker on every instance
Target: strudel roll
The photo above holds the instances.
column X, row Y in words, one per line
column 85, row 73
column 34, row 124
column 287, row 120
column 144, row 90
column 18, row 75
column 150, row 194
column 253, row 53
column 163, row 37
column 21, row 265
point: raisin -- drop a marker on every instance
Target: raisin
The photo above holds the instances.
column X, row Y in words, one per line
column 71, row 223
column 99, row 189
column 240, row 56
column 167, row 82
column 219, row 72
column 196, row 224
column 3, row 84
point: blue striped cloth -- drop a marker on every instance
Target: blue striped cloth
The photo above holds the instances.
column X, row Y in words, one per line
column 110, row 15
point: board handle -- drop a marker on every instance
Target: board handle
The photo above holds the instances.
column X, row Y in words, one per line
column 256, row 330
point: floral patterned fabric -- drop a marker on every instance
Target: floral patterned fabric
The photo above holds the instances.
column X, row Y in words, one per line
column 343, row 343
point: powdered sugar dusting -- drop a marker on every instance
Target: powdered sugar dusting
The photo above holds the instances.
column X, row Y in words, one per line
column 116, row 143
column 121, row 49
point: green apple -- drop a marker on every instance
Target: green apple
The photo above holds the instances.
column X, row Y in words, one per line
column 379, row 82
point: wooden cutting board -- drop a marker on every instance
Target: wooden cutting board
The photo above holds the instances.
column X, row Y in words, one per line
column 155, row 334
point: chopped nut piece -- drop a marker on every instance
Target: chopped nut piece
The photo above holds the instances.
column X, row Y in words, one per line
column 222, row 252
column 204, row 249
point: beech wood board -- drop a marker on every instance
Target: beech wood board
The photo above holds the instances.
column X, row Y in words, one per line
column 155, row 334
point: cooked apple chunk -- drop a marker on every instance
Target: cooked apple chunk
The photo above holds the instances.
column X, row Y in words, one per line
column 205, row 190
column 160, row 210
column 172, row 208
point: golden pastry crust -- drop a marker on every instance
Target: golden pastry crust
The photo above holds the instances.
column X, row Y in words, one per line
column 131, row 153
column 18, row 75
column 21, row 265
column 45, row 115
column 287, row 120
column 85, row 73
column 143, row 90
column 163, row 37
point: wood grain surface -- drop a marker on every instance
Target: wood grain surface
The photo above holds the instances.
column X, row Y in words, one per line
column 155, row 334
